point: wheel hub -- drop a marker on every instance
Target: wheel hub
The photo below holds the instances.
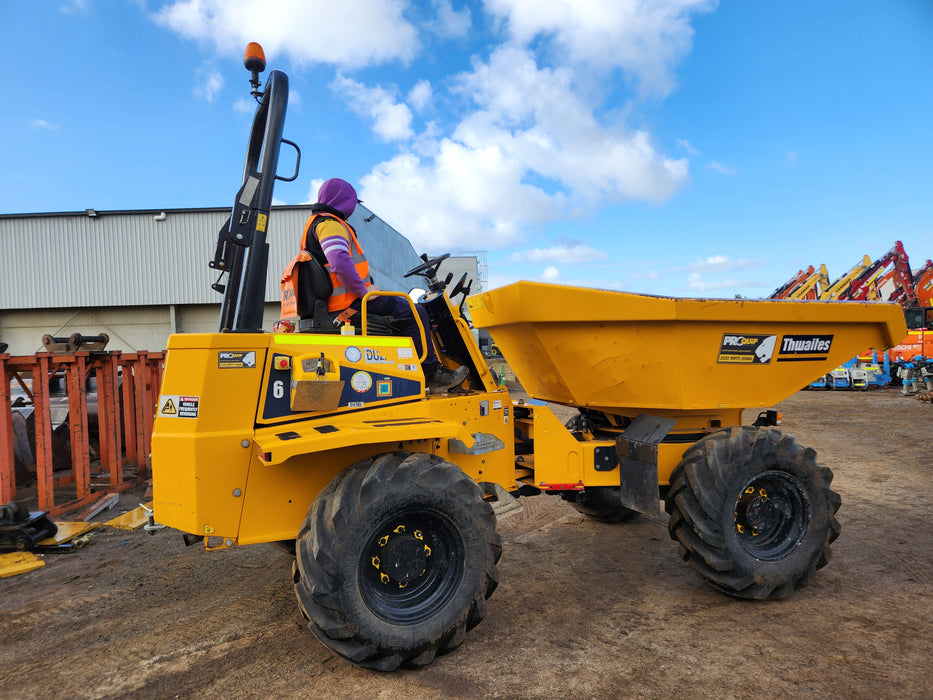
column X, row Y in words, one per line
column 760, row 514
column 411, row 566
column 403, row 556
column 771, row 516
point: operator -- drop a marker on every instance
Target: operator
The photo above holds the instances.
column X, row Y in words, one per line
column 349, row 273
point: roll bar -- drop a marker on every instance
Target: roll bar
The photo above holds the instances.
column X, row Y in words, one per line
column 242, row 251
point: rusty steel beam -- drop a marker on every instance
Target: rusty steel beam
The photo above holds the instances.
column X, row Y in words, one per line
column 76, row 372
column 129, row 412
column 42, row 416
column 108, row 422
column 7, row 459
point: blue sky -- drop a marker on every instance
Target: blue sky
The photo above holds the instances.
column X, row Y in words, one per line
column 682, row 147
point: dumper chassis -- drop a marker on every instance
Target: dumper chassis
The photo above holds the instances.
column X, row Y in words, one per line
column 329, row 445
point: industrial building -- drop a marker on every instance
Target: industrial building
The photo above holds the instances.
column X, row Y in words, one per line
column 141, row 275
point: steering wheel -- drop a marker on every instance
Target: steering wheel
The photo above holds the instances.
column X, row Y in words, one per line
column 459, row 286
column 427, row 265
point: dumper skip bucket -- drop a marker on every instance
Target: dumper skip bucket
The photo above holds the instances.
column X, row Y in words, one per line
column 631, row 353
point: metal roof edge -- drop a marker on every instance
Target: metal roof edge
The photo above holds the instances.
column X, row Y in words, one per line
column 149, row 212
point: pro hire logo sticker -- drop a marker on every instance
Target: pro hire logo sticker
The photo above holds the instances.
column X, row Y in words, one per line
column 748, row 349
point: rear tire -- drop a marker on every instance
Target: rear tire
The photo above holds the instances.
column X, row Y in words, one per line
column 396, row 559
column 753, row 512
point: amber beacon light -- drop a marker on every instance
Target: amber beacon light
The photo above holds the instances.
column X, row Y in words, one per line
column 255, row 61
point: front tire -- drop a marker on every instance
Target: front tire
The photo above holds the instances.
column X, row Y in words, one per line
column 753, row 512
column 396, row 559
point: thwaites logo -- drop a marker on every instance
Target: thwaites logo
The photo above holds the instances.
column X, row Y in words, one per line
column 804, row 348
column 747, row 349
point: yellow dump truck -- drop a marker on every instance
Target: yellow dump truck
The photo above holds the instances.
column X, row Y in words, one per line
column 329, row 446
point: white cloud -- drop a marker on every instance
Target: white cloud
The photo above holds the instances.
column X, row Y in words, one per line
column 42, row 124
column 531, row 142
column 76, row 7
column 460, row 197
column 529, row 125
column 645, row 39
column 538, row 116
column 550, row 274
column 696, row 282
column 347, row 34
column 688, row 147
column 294, row 100
column 449, row 22
column 559, row 253
column 245, row 105
column 312, row 190
column 721, row 263
column 722, row 169
column 419, row 97
column 391, row 120
column 211, row 83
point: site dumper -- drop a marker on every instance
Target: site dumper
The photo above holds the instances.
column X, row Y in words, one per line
column 328, row 445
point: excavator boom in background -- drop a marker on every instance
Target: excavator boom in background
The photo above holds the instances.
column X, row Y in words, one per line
column 888, row 279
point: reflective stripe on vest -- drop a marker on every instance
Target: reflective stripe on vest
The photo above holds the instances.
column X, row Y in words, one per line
column 340, row 298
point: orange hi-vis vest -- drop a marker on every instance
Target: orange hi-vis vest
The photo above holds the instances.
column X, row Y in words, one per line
column 341, row 297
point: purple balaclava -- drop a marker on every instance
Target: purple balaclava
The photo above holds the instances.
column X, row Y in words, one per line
column 338, row 194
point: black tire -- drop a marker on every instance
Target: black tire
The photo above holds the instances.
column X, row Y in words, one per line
column 396, row 559
column 601, row 503
column 753, row 512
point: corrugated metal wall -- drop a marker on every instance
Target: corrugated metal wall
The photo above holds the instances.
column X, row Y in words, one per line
column 130, row 258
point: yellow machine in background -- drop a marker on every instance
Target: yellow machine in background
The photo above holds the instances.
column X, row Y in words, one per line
column 328, row 445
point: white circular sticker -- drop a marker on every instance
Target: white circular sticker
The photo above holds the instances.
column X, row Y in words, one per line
column 361, row 382
column 352, row 354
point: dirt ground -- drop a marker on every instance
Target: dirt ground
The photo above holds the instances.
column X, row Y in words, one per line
column 583, row 609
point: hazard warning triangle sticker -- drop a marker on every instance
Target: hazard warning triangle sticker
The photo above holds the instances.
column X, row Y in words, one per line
column 169, row 408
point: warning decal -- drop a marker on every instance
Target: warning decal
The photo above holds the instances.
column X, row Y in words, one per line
column 179, row 406
column 749, row 349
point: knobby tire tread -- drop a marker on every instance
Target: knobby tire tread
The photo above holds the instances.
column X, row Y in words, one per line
column 703, row 490
column 318, row 576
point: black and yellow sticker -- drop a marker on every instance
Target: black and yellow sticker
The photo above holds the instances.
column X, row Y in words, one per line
column 236, row 359
column 746, row 349
column 804, row 348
